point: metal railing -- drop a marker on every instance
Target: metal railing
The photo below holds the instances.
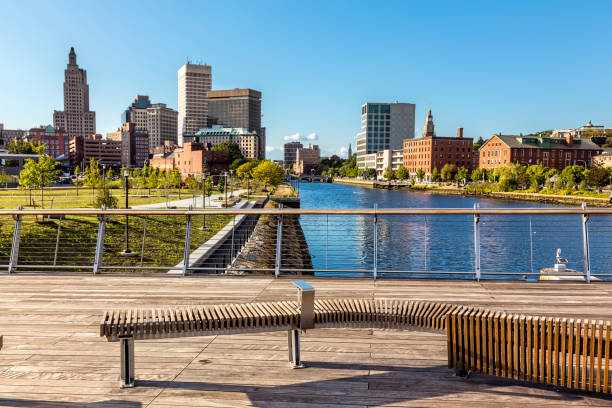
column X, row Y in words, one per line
column 466, row 243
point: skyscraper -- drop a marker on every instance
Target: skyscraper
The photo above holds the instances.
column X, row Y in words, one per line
column 384, row 126
column 76, row 119
column 194, row 81
column 157, row 119
column 290, row 153
column 237, row 108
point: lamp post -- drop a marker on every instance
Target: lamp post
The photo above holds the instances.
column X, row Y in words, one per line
column 225, row 187
column 204, row 176
column 127, row 251
column 230, row 183
column 248, row 186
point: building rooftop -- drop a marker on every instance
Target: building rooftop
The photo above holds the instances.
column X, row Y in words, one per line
column 546, row 142
column 53, row 355
column 218, row 130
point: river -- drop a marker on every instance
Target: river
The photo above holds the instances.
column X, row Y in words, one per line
column 435, row 245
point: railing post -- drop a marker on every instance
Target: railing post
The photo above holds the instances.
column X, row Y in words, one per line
column 57, row 238
column 99, row 243
column 585, row 245
column 187, row 244
column 375, row 267
column 16, row 239
column 279, row 245
column 477, row 242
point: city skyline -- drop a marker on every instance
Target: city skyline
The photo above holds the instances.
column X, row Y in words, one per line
column 477, row 67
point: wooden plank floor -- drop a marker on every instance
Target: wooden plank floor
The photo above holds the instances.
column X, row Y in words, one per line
column 52, row 354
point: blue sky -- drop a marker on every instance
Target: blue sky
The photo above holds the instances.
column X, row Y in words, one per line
column 489, row 66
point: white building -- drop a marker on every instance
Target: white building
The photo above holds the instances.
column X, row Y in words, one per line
column 382, row 160
column 248, row 142
column 384, row 126
column 194, row 81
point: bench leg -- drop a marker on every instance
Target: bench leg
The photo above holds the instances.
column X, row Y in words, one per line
column 127, row 362
column 294, row 349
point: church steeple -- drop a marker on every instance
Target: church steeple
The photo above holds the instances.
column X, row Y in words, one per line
column 428, row 129
column 72, row 57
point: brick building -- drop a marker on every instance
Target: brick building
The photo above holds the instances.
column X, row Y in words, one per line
column 55, row 140
column 163, row 157
column 306, row 159
column 104, row 151
column 134, row 146
column 551, row 152
column 193, row 157
column 432, row 151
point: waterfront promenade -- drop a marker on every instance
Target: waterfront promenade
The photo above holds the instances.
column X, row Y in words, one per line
column 53, row 355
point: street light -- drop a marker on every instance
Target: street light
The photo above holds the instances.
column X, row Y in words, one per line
column 247, row 177
column 204, row 176
column 127, row 251
column 225, row 187
column 230, row 183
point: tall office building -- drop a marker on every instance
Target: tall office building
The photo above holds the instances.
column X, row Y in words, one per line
column 194, row 81
column 384, row 126
column 157, row 119
column 237, row 108
column 290, row 153
column 76, row 119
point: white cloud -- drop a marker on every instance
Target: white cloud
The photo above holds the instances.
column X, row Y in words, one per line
column 343, row 151
column 300, row 137
column 270, row 149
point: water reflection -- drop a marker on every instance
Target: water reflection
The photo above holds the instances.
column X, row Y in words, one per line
column 520, row 244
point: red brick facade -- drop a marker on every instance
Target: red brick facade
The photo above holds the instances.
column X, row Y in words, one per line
column 526, row 150
column 56, row 141
column 428, row 153
column 189, row 159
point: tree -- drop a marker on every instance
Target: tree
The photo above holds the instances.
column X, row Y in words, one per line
column 39, row 174
column 389, row 174
column 572, row 174
column 237, row 163
column 478, row 143
column 246, row 168
column 462, row 174
column 232, row 148
column 448, row 172
column 597, row 177
column 371, row 173
column 22, row 146
column 522, row 180
column 435, row 174
column 537, row 174
column 420, row 174
column 268, row 173
column 477, row 175
column 402, row 173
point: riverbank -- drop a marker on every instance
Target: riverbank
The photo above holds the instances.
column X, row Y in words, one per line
column 513, row 196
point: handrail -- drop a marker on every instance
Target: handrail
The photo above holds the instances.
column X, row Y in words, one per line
column 311, row 211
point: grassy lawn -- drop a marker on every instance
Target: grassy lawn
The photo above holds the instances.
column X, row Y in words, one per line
column 163, row 243
column 67, row 197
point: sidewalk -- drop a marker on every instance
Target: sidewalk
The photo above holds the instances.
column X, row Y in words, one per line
column 214, row 201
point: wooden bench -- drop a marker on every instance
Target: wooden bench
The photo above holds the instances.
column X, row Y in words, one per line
column 125, row 326
column 564, row 352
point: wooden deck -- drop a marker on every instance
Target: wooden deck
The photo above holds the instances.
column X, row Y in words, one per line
column 52, row 354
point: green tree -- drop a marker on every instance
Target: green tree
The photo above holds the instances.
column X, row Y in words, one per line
column 232, row 148
column 402, row 173
column 371, row 173
column 420, row 174
column 462, row 174
column 237, row 163
column 105, row 198
column 448, row 172
column 435, row 174
column 572, row 174
column 39, row 174
column 389, row 174
column 22, row 146
column 597, row 177
column 268, row 173
column 477, row 175
column 478, row 143
column 246, row 168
